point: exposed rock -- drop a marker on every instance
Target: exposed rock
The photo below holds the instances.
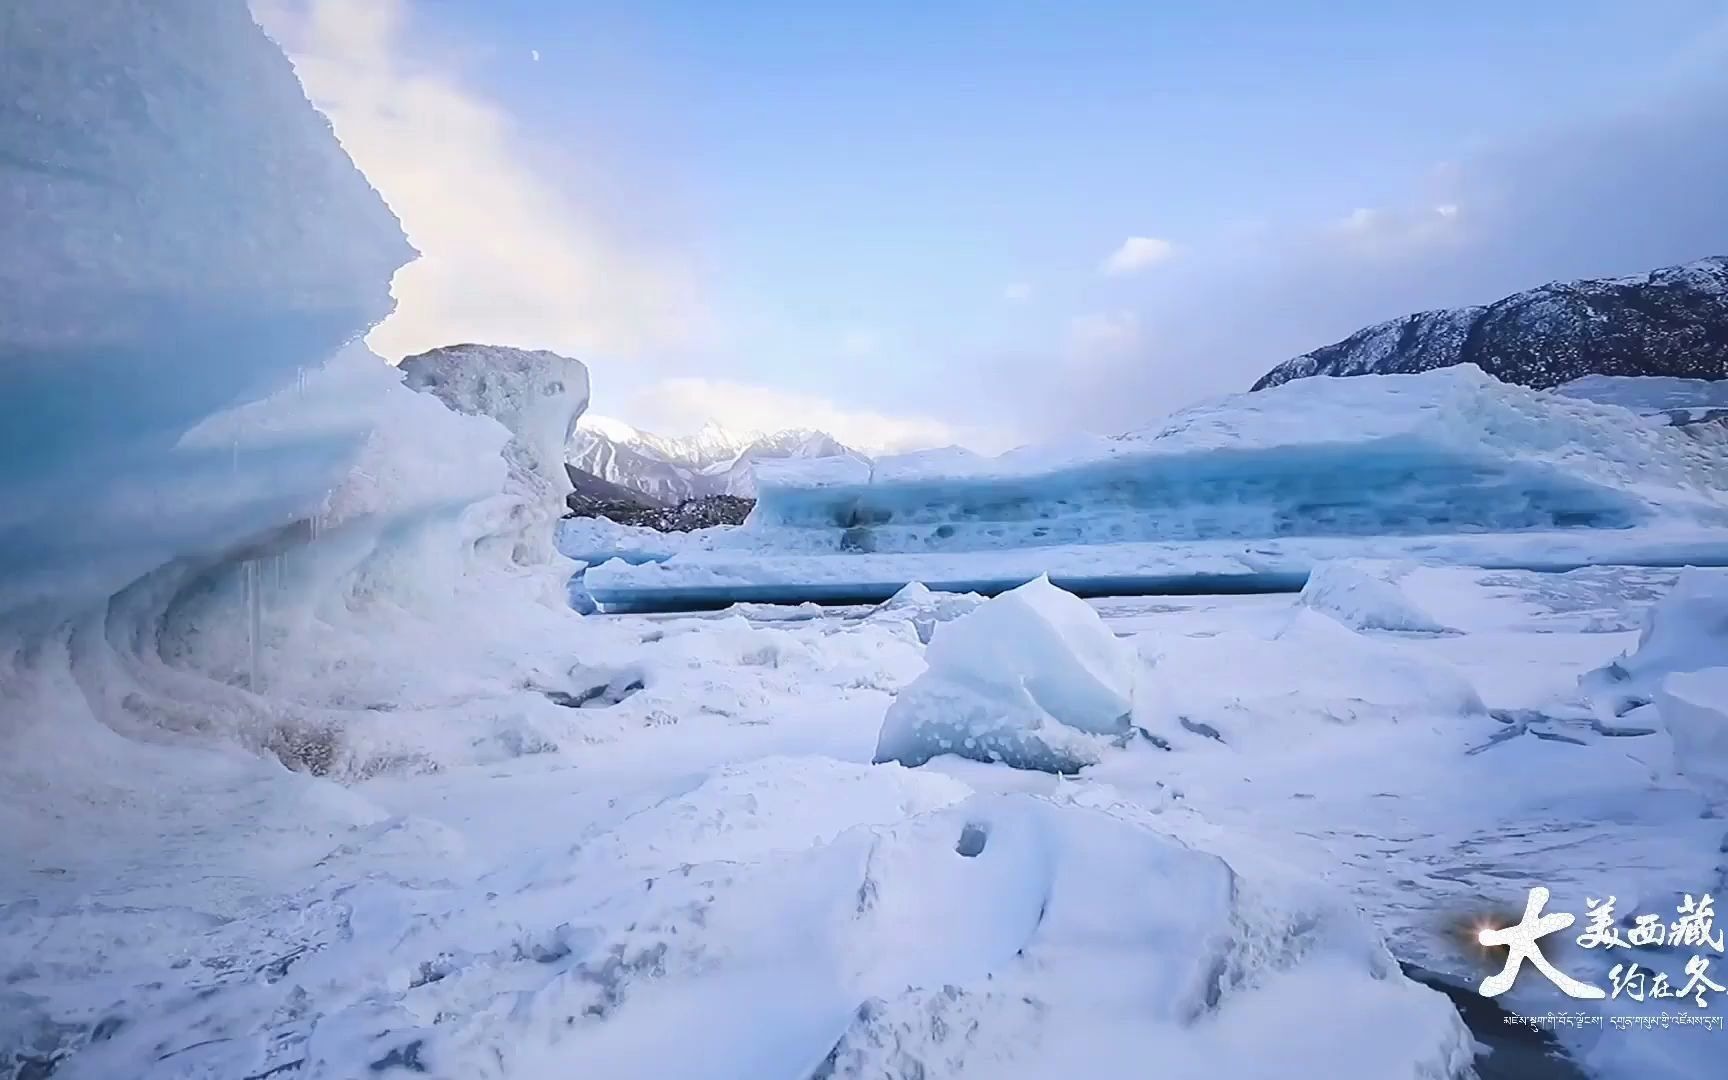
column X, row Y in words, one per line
column 689, row 515
column 1671, row 322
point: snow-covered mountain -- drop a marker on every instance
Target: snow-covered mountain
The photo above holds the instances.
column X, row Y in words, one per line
column 713, row 461
column 1671, row 322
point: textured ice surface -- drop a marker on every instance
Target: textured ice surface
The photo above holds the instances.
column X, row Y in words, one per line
column 1449, row 450
column 713, row 575
column 926, row 608
column 1306, row 679
column 1032, row 678
column 1679, row 672
column 538, row 396
column 710, row 880
column 169, row 252
column 1687, row 630
column 1649, row 393
column 224, row 521
column 1448, row 465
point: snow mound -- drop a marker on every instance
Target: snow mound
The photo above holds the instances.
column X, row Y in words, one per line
column 1366, row 595
column 1032, row 678
column 906, row 929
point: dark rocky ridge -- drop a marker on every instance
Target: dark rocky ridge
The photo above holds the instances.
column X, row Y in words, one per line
column 597, row 497
column 594, row 496
column 1671, row 322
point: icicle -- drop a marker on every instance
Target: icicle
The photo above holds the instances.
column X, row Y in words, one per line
column 253, row 590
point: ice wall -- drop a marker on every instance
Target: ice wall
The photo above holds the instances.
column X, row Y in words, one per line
column 222, row 519
column 1250, row 491
column 181, row 232
column 1445, row 451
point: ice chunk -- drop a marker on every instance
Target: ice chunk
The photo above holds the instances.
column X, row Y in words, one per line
column 537, row 394
column 1687, row 630
column 1681, row 666
column 1694, row 707
column 1032, row 678
column 1366, row 595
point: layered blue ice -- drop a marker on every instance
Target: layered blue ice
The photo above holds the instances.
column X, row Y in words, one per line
column 221, row 516
column 182, row 233
column 1451, row 451
column 1449, row 464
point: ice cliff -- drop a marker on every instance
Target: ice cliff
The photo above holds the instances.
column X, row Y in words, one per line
column 225, row 521
column 1448, row 465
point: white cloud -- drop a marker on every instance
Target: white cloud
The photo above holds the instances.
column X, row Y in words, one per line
column 680, row 405
column 534, row 55
column 1137, row 253
column 507, row 256
column 1017, row 292
column 1100, row 334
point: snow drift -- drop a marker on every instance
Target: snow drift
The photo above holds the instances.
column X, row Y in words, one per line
column 1032, row 678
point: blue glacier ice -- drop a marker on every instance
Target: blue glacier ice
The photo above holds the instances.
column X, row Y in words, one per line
column 1248, row 491
column 164, row 259
column 221, row 517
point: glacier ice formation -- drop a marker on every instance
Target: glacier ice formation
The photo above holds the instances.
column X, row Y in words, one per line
column 211, row 488
column 1246, row 492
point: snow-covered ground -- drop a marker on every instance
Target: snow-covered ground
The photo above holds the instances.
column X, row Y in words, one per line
column 712, row 880
column 308, row 770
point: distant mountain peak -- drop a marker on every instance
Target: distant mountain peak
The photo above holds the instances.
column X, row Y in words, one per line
column 1670, row 322
column 715, row 460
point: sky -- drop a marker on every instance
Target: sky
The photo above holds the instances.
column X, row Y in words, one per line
column 989, row 223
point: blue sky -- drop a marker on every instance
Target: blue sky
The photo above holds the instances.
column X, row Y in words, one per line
column 896, row 217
